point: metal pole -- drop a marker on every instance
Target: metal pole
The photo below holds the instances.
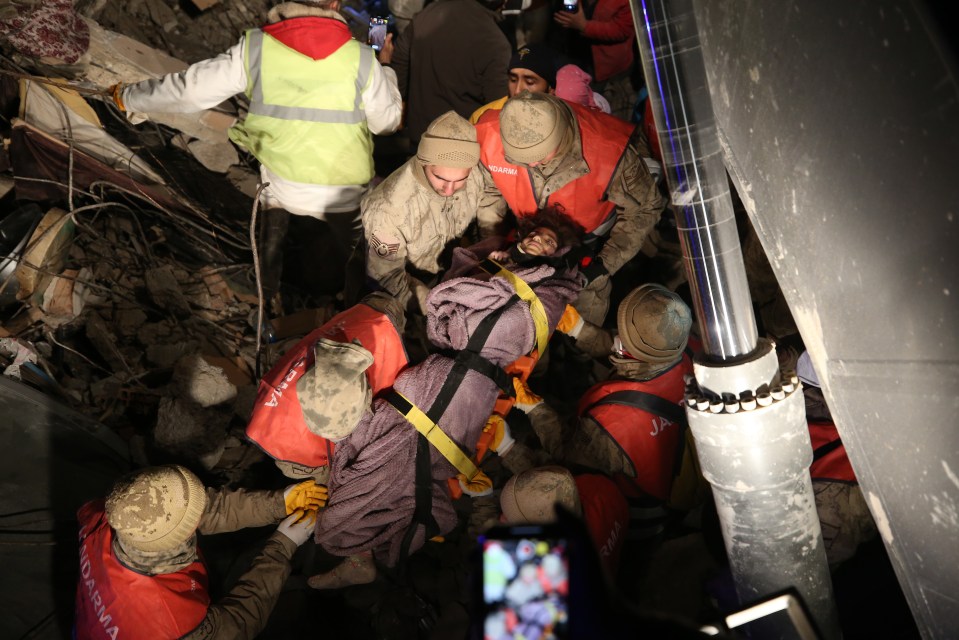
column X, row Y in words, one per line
column 750, row 428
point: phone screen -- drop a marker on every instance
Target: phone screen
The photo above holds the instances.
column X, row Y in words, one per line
column 525, row 588
column 570, row 5
column 377, row 36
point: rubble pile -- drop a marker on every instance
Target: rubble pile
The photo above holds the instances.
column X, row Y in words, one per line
column 115, row 299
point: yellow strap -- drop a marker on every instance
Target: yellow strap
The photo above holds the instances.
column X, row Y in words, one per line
column 437, row 438
column 526, row 293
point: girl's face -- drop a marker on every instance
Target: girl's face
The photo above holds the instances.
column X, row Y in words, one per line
column 540, row 242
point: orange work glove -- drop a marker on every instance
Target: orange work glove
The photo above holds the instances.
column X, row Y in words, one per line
column 502, row 438
column 479, row 486
column 114, row 92
column 571, row 323
column 526, row 400
column 305, row 495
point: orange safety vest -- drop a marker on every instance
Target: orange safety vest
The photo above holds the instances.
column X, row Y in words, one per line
column 606, row 514
column 651, row 442
column 604, row 139
column 830, row 461
column 277, row 425
column 114, row 601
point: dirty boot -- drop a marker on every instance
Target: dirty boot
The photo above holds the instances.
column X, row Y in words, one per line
column 354, row 570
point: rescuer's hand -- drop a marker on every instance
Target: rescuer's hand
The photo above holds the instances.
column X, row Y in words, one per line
column 305, row 495
column 571, row 323
column 478, row 487
column 298, row 526
column 526, row 400
column 502, row 438
column 114, row 93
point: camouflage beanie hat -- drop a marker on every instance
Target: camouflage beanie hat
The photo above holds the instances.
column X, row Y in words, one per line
column 531, row 496
column 449, row 141
column 654, row 324
column 156, row 509
column 335, row 393
column 532, row 125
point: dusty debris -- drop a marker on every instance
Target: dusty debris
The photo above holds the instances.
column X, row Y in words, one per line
column 165, row 291
column 202, row 382
column 45, row 252
column 203, row 5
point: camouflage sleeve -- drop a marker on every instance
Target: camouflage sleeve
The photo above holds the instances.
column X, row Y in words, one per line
column 522, row 458
column 492, row 206
column 243, row 613
column 386, row 255
column 594, row 340
column 231, row 510
column 551, row 429
column 638, row 207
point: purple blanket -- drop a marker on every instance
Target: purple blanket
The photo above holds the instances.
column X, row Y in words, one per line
column 372, row 480
column 456, row 307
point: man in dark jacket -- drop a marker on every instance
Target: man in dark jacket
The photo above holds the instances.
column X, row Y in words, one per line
column 452, row 56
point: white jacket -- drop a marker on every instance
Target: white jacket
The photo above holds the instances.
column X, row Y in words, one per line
column 209, row 82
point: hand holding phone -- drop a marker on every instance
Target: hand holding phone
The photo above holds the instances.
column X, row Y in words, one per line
column 572, row 16
column 377, row 33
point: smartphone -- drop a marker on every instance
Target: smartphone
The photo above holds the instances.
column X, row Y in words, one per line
column 570, row 5
column 524, row 589
column 377, row 35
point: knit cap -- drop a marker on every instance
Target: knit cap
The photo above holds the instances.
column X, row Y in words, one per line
column 156, row 509
column 532, row 125
column 532, row 496
column 449, row 141
column 538, row 58
column 335, row 393
column 654, row 324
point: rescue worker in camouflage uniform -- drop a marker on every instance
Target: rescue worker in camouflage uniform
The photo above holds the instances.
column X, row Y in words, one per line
column 540, row 150
column 141, row 577
column 411, row 218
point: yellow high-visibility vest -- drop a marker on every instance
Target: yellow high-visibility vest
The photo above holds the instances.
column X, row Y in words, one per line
column 306, row 121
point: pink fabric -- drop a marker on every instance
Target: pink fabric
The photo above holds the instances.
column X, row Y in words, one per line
column 572, row 84
column 52, row 29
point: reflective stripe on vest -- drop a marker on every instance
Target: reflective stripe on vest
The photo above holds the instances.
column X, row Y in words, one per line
column 277, row 425
column 306, row 122
column 114, row 601
column 260, row 107
column 604, row 140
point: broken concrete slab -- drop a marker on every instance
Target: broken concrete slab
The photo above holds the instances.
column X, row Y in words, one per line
column 184, row 428
column 104, row 340
column 165, row 291
column 203, row 5
column 166, row 355
column 202, row 382
column 129, row 320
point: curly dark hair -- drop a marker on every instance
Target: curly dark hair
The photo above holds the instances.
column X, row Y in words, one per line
column 568, row 232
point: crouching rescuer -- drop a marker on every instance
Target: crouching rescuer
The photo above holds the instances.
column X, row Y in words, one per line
column 141, row 575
